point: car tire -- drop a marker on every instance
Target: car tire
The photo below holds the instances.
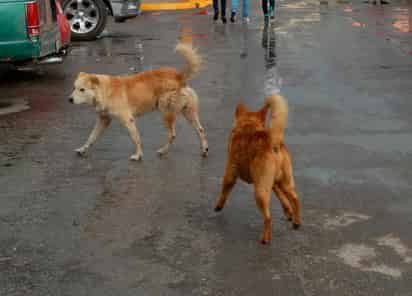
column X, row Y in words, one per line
column 86, row 21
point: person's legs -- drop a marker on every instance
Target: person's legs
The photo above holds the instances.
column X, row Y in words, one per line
column 265, row 7
column 223, row 8
column 235, row 6
column 272, row 9
column 245, row 10
column 216, row 9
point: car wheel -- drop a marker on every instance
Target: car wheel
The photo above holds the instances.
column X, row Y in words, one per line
column 87, row 18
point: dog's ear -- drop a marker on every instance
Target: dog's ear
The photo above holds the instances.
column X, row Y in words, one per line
column 82, row 74
column 262, row 112
column 94, row 81
column 240, row 110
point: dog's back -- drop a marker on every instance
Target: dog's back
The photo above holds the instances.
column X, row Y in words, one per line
column 249, row 150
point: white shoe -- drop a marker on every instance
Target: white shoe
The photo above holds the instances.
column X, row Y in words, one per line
column 246, row 20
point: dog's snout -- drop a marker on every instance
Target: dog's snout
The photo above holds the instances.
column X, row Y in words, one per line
column 71, row 100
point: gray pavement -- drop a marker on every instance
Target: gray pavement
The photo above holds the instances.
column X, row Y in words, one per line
column 103, row 225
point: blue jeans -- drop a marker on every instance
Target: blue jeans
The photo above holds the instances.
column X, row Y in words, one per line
column 245, row 8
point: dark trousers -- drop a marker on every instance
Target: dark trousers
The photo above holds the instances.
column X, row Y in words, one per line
column 222, row 4
column 265, row 6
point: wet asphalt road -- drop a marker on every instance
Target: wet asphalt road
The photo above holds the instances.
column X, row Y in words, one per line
column 103, row 225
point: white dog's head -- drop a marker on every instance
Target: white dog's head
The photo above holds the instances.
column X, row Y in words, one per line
column 85, row 89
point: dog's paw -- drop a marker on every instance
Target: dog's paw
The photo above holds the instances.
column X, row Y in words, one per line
column 81, row 151
column 264, row 241
column 218, row 208
column 205, row 151
column 136, row 157
column 162, row 151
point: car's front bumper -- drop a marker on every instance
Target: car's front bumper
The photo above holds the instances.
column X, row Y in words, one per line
column 125, row 9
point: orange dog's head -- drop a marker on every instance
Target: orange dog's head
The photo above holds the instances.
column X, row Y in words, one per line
column 249, row 119
column 85, row 89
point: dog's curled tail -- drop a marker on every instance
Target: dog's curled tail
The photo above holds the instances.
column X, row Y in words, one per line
column 193, row 60
column 278, row 117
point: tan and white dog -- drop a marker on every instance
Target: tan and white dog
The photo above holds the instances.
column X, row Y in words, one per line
column 126, row 97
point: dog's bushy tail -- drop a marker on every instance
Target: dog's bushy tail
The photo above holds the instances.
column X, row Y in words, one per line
column 278, row 117
column 193, row 60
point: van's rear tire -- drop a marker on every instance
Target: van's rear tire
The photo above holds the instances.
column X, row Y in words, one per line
column 87, row 18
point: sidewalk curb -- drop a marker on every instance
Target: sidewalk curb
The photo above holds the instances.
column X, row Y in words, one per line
column 175, row 5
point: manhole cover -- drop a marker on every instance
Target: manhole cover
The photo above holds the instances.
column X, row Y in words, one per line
column 13, row 106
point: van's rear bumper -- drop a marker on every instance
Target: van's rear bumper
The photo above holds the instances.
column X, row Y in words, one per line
column 11, row 51
column 28, row 53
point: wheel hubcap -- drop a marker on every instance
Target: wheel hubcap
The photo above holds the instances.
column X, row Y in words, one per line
column 82, row 15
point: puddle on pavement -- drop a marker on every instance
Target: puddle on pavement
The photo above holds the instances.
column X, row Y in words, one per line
column 343, row 220
column 395, row 243
column 119, row 35
column 302, row 4
column 112, row 44
column 13, row 106
column 371, row 257
column 131, row 50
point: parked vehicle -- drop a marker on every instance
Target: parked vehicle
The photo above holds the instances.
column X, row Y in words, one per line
column 88, row 18
column 32, row 32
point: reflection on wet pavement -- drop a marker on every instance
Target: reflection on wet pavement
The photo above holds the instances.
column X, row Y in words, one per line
column 403, row 19
column 273, row 81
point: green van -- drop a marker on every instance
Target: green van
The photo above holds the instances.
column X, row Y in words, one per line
column 32, row 31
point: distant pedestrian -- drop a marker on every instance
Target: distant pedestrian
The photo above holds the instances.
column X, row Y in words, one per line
column 268, row 7
column 374, row 2
column 223, row 10
column 245, row 11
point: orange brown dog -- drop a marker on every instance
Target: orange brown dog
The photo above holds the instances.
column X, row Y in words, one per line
column 258, row 156
column 127, row 97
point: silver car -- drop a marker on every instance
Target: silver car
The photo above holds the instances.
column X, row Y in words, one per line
column 88, row 18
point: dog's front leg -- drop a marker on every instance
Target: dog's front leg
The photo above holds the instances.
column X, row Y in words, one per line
column 130, row 124
column 102, row 122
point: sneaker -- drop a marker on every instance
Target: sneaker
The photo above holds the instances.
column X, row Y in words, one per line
column 246, row 20
column 224, row 20
column 216, row 16
column 232, row 17
column 272, row 12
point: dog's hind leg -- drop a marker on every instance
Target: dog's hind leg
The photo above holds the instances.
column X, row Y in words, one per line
column 102, row 122
column 169, row 120
column 190, row 112
column 289, row 190
column 130, row 124
column 262, row 196
column 229, row 180
column 193, row 118
column 262, row 171
column 287, row 208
